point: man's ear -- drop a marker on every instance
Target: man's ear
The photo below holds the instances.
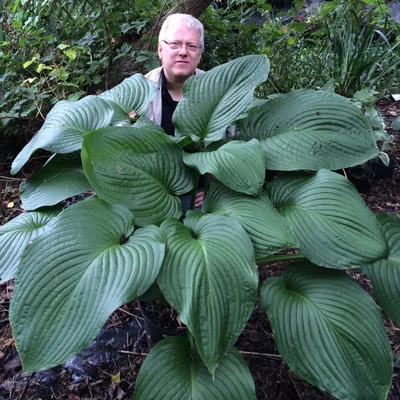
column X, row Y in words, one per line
column 160, row 51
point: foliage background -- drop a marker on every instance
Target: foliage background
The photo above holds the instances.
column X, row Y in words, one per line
column 54, row 50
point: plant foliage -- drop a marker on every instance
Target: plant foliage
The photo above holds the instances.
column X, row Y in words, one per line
column 54, row 50
column 76, row 267
column 348, row 44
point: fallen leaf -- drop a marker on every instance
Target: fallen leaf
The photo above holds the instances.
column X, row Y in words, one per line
column 116, row 378
column 28, row 81
column 10, row 204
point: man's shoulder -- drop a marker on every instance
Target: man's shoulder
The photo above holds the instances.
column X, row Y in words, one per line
column 154, row 74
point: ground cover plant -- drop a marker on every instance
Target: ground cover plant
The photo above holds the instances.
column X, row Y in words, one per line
column 74, row 267
column 351, row 45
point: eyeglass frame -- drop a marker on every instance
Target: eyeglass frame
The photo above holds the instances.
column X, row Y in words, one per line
column 191, row 48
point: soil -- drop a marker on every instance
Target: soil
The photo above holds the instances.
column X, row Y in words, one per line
column 108, row 368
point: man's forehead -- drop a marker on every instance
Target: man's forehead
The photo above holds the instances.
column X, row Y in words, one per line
column 182, row 32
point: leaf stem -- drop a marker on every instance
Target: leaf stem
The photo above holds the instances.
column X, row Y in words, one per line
column 194, row 191
column 190, row 338
column 283, row 257
column 206, row 184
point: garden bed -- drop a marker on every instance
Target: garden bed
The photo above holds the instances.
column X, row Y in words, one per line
column 109, row 368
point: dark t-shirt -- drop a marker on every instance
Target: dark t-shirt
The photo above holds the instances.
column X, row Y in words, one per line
column 167, row 108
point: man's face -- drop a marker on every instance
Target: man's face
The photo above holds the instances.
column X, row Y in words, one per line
column 179, row 64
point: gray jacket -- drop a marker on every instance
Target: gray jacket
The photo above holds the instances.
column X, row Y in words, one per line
column 154, row 110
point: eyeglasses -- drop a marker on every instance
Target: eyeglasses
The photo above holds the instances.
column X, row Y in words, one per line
column 178, row 45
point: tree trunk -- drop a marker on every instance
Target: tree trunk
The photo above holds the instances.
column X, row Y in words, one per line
column 126, row 65
column 192, row 7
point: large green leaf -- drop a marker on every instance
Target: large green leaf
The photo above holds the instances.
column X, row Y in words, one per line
column 133, row 94
column 333, row 225
column 239, row 165
column 385, row 273
column 138, row 167
column 309, row 129
column 15, row 236
column 75, row 275
column 60, row 178
column 213, row 100
column 329, row 331
column 64, row 127
column 209, row 276
column 173, row 371
column 268, row 230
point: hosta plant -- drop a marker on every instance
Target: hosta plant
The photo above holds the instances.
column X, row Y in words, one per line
column 74, row 267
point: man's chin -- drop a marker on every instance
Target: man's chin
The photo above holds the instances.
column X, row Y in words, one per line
column 183, row 73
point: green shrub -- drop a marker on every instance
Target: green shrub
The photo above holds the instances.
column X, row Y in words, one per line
column 360, row 54
column 62, row 50
column 351, row 45
column 232, row 30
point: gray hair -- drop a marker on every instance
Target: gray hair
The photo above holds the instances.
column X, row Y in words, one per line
column 176, row 20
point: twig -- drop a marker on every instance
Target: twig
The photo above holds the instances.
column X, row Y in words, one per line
column 127, row 312
column 155, row 25
column 91, row 396
column 101, row 370
column 12, row 391
column 138, row 339
column 252, row 353
column 297, row 390
column 282, row 257
column 152, row 33
column 134, row 353
column 132, row 315
column 116, row 322
column 108, row 38
column 26, row 385
column 39, row 109
column 52, row 391
column 15, row 117
column 11, row 179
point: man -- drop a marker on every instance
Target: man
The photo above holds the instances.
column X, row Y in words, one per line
column 180, row 44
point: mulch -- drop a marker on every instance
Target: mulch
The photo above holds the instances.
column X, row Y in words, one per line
column 108, row 369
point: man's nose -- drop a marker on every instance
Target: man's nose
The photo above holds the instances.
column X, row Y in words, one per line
column 183, row 50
